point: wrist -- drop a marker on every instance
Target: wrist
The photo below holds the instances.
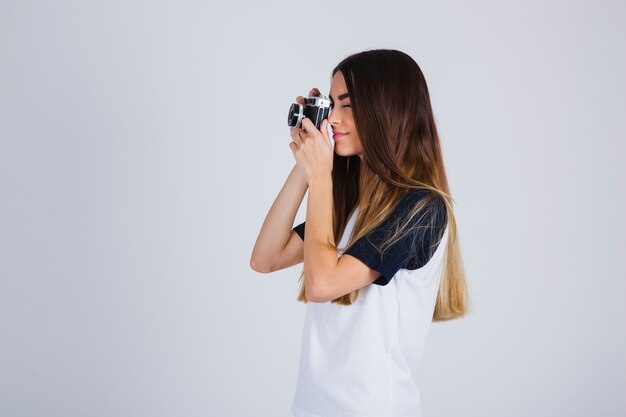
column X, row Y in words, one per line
column 321, row 180
column 297, row 171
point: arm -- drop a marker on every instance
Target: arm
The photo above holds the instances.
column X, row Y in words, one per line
column 276, row 229
column 327, row 275
column 319, row 260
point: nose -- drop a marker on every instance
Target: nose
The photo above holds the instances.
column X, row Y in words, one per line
column 334, row 118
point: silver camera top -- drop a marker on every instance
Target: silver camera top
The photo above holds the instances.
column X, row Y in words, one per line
column 319, row 101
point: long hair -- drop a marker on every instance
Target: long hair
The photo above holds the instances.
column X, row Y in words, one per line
column 401, row 152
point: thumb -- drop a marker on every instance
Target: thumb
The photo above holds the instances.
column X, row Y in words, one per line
column 324, row 129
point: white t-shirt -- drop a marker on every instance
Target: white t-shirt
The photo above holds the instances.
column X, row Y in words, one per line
column 363, row 360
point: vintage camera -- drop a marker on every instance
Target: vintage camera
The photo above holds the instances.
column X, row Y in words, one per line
column 316, row 108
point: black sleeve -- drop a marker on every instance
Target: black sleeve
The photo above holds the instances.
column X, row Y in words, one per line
column 414, row 249
column 299, row 229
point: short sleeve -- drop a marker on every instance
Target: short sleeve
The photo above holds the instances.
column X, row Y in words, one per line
column 299, row 229
column 413, row 249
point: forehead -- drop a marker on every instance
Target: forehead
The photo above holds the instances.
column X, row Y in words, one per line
column 338, row 84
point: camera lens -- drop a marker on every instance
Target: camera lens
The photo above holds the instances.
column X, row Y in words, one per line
column 296, row 111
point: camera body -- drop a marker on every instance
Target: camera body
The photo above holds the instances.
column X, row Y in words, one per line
column 316, row 108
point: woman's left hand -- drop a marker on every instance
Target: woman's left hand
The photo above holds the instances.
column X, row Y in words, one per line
column 312, row 149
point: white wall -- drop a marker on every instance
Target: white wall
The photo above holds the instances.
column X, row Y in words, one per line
column 142, row 144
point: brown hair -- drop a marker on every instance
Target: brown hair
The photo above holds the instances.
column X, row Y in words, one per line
column 401, row 152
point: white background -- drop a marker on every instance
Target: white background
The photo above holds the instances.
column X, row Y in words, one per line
column 142, row 144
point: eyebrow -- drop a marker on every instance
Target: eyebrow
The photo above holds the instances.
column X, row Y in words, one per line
column 341, row 97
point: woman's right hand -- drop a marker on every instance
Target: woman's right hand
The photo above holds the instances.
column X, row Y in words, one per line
column 300, row 100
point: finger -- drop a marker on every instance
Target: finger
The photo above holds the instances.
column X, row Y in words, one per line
column 300, row 100
column 308, row 125
column 324, row 130
column 315, row 92
column 295, row 134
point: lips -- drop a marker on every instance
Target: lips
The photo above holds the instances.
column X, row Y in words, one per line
column 337, row 135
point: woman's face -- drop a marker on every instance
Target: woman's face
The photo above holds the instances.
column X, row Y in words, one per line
column 341, row 120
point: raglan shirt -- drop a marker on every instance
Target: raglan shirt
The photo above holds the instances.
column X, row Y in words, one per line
column 363, row 360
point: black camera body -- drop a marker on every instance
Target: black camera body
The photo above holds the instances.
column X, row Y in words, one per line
column 316, row 108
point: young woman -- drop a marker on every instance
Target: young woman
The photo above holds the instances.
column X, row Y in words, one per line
column 380, row 191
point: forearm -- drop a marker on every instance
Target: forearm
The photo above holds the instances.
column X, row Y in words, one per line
column 278, row 223
column 319, row 259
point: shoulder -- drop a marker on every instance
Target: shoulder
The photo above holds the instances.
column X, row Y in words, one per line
column 405, row 238
column 432, row 204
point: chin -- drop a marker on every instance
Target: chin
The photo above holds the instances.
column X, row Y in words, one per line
column 342, row 153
